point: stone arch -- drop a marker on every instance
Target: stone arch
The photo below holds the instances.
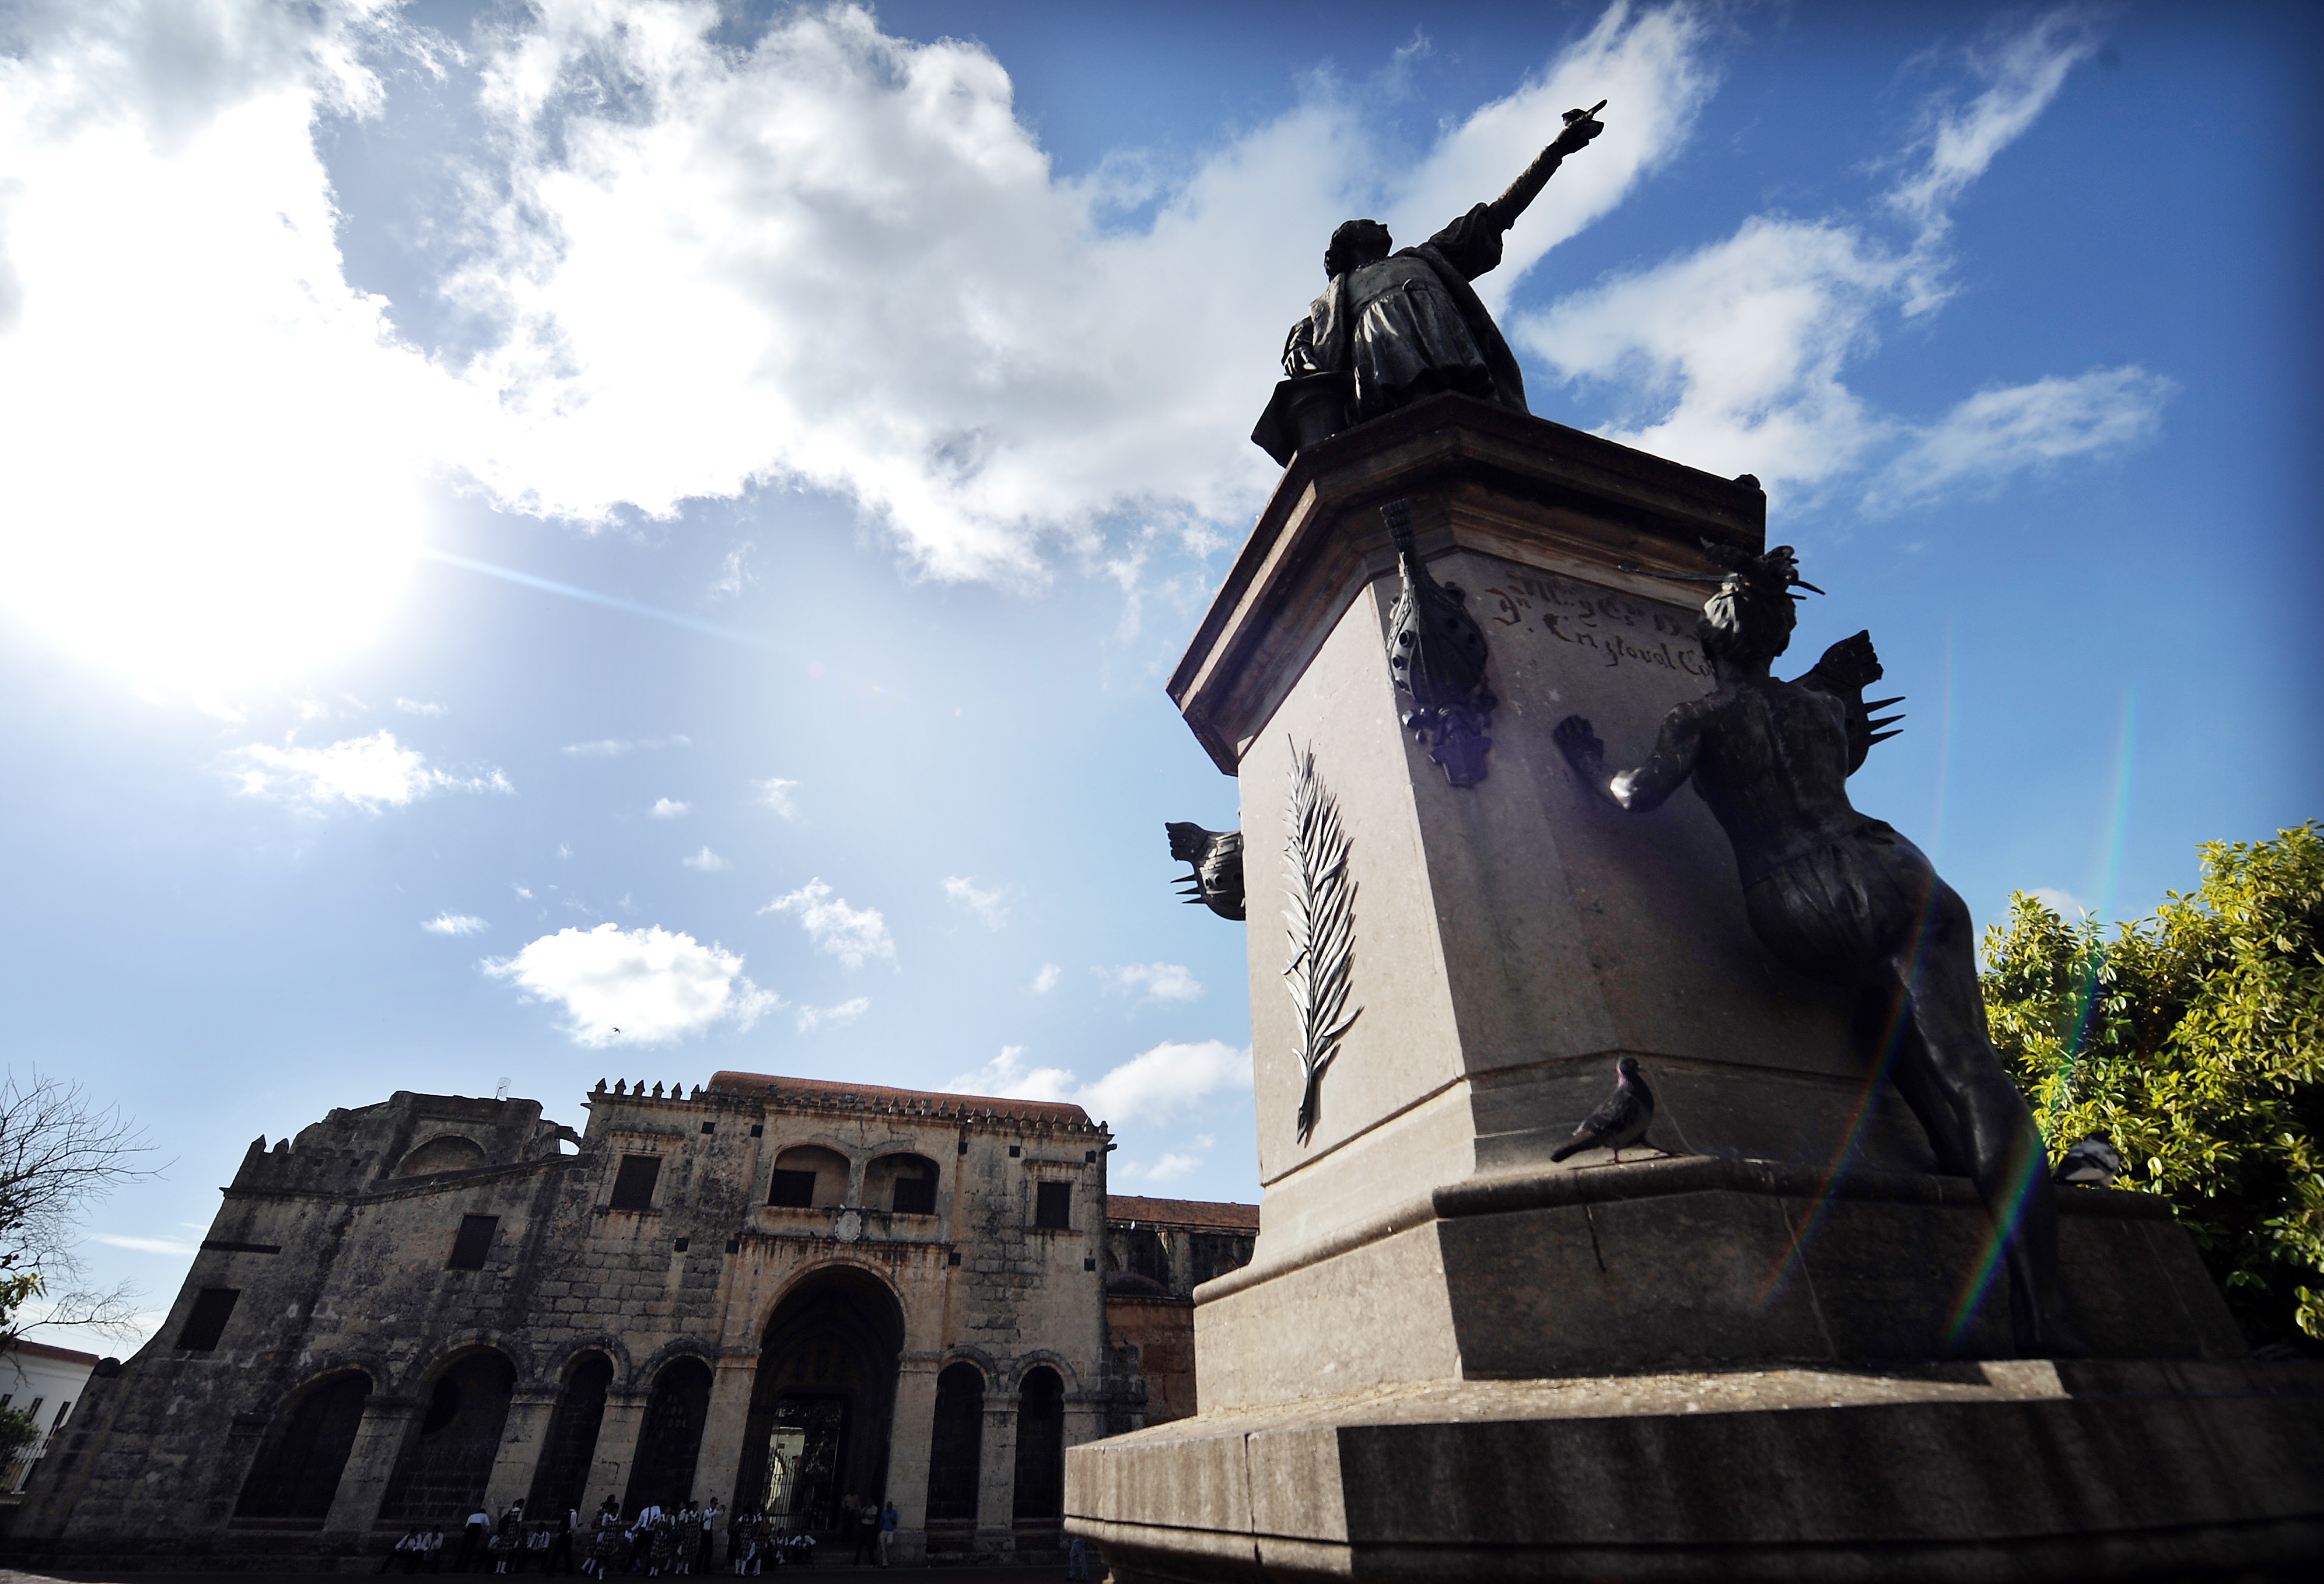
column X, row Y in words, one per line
column 447, row 1455
column 560, row 1480
column 810, row 1175
column 418, row 1377
column 903, row 1182
column 1038, row 1501
column 822, row 1400
column 1044, row 1358
column 955, row 1454
column 296, row 1473
column 559, row 1371
column 446, row 1152
column 669, row 1442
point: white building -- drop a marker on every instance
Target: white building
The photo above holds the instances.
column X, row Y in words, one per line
column 45, row 1382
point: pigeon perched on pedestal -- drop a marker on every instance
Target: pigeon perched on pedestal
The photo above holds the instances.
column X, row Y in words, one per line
column 2092, row 1163
column 1622, row 1120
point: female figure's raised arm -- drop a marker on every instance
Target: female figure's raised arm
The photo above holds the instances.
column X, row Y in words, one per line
column 1666, row 769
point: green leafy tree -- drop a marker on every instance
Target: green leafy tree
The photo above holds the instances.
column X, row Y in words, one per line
column 19, row 1433
column 2193, row 1042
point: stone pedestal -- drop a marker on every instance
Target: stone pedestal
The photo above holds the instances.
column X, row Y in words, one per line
column 1423, row 1265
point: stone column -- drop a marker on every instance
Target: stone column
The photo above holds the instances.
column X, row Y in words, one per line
column 371, row 1462
column 719, row 1463
column 910, row 1434
column 523, row 1434
column 996, row 1497
column 617, row 1442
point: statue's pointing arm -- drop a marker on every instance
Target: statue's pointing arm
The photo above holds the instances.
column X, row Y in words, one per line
column 1473, row 244
column 1505, row 208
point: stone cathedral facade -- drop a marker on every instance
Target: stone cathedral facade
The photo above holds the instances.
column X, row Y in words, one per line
column 774, row 1291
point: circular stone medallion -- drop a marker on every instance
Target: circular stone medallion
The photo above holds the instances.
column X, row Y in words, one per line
column 847, row 1225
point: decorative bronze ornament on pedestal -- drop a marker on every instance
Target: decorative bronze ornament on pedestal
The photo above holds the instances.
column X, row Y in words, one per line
column 1436, row 652
column 1216, row 883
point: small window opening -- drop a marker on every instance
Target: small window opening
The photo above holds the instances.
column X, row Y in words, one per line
column 634, row 1186
column 916, row 1196
column 474, row 1242
column 1052, row 1205
column 206, row 1323
column 1015, row 1150
column 758, row 1129
column 710, row 1126
column 791, row 1190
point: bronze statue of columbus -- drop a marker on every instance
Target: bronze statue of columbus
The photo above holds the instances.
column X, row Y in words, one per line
column 1394, row 328
column 1844, row 896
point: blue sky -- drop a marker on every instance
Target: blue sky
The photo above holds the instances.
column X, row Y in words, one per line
column 881, row 381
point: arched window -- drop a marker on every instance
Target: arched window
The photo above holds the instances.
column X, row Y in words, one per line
column 956, row 1447
column 1040, row 1498
column 808, row 1175
column 447, row 1152
column 561, row 1480
column 904, row 1183
column 672, row 1436
column 298, row 1469
column 447, row 1463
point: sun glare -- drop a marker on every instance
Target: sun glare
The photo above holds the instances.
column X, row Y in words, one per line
column 211, row 469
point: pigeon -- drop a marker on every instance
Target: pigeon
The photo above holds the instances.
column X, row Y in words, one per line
column 2092, row 1163
column 1621, row 1120
column 1217, row 857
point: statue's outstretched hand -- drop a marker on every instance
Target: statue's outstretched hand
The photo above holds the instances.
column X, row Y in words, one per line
column 1576, row 738
column 1576, row 136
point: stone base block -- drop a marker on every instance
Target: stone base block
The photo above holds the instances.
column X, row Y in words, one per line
column 1683, row 1262
column 2002, row 1472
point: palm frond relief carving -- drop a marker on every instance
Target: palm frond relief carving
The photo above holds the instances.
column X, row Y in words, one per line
column 1319, row 915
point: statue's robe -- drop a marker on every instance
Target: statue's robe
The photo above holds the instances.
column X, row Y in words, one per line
column 1390, row 333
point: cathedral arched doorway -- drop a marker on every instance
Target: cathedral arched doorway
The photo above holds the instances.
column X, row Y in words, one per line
column 447, row 1460
column 560, row 1480
column 670, row 1440
column 822, row 1400
column 298, row 1469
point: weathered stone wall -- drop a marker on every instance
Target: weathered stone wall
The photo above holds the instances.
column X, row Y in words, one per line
column 343, row 1266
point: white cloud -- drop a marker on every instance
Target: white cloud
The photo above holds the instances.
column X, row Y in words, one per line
column 1045, row 979
column 848, row 934
column 733, row 577
column 811, row 1018
column 146, row 1245
column 988, row 906
column 412, row 706
column 370, row 772
column 1153, row 1086
column 2063, row 903
column 453, row 923
column 704, row 862
column 635, row 986
column 691, row 263
column 1158, row 982
column 668, row 808
column 776, row 794
column 616, row 747
column 2025, row 69
column 1007, row 1077
column 1171, row 1166
column 1735, row 355
column 1997, row 433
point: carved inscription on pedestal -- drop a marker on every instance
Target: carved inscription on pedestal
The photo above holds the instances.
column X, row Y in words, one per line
column 1615, row 629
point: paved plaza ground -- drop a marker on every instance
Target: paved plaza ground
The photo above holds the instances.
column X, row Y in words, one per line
column 897, row 1576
